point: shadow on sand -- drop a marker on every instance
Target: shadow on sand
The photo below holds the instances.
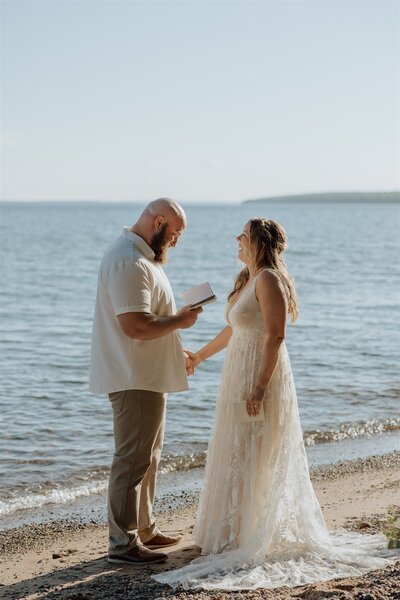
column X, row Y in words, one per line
column 99, row 580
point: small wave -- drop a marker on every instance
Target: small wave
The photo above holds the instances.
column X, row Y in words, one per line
column 52, row 496
column 351, row 430
column 183, row 462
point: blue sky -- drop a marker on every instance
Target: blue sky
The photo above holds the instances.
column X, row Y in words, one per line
column 199, row 100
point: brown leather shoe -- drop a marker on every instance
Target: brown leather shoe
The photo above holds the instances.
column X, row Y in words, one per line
column 161, row 541
column 137, row 556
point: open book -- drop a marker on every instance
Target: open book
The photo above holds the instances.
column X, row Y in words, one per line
column 199, row 295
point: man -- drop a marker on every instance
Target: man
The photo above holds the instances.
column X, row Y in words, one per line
column 136, row 359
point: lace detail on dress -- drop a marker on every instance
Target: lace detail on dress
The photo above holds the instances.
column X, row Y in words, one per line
column 259, row 522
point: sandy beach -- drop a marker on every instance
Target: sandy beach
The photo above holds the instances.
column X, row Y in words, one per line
column 67, row 559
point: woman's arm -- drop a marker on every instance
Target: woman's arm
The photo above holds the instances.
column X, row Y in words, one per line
column 271, row 298
column 216, row 345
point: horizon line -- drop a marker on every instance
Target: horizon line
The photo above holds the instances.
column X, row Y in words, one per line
column 192, row 201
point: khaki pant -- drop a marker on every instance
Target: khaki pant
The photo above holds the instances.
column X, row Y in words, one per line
column 139, row 419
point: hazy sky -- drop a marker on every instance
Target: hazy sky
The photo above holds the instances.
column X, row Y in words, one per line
column 199, row 100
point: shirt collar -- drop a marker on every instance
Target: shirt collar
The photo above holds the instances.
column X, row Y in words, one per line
column 139, row 242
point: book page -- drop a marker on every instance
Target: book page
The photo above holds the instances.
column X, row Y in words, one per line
column 198, row 294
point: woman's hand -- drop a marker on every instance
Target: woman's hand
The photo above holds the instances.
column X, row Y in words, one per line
column 254, row 401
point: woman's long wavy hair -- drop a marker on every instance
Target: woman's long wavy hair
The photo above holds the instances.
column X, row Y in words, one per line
column 267, row 244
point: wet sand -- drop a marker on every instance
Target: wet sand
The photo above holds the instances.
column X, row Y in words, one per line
column 66, row 560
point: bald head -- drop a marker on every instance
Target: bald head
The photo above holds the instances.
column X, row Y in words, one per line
column 167, row 208
column 160, row 225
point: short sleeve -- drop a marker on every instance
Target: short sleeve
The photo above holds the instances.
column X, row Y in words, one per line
column 129, row 288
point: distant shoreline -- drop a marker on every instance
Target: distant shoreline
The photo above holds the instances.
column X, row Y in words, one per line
column 333, row 197
column 392, row 197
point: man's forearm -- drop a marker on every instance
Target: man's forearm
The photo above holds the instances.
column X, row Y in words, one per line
column 147, row 326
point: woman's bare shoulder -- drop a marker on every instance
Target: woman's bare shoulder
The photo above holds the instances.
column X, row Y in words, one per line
column 268, row 277
column 268, row 280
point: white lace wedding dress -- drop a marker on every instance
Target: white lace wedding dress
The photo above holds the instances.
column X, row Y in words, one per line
column 259, row 523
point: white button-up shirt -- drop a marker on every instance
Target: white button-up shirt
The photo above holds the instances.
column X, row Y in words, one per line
column 131, row 281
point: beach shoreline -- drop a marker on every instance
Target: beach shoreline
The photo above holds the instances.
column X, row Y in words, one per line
column 66, row 559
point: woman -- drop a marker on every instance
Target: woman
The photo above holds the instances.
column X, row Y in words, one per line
column 259, row 523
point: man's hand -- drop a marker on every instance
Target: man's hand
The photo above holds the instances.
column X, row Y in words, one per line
column 187, row 317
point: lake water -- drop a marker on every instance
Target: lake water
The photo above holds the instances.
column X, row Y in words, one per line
column 56, row 439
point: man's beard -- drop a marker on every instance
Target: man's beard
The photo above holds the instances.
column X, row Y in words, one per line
column 159, row 245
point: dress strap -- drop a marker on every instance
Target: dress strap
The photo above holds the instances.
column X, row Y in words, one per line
column 265, row 269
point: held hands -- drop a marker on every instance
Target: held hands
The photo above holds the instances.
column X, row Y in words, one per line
column 191, row 361
column 188, row 364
